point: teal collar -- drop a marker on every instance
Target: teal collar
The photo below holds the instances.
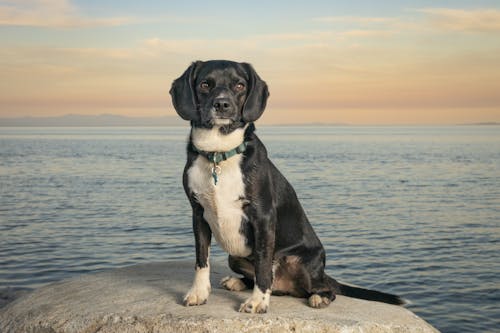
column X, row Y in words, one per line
column 216, row 157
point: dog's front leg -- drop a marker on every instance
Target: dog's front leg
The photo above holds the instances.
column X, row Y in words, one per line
column 198, row 294
column 263, row 256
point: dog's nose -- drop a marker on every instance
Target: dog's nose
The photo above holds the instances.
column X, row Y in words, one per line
column 222, row 104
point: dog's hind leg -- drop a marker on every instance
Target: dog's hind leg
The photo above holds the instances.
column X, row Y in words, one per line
column 321, row 296
column 293, row 277
column 241, row 266
column 319, row 288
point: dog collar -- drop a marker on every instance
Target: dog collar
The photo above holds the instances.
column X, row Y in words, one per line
column 216, row 157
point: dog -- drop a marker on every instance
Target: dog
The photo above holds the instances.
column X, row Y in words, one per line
column 240, row 197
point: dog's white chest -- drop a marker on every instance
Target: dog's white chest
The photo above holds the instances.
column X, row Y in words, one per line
column 222, row 203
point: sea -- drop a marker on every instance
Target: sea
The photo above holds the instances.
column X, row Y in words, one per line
column 412, row 210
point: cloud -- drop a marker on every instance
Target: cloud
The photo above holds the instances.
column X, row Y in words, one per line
column 203, row 49
column 356, row 19
column 362, row 26
column 51, row 13
column 477, row 20
column 367, row 33
column 434, row 19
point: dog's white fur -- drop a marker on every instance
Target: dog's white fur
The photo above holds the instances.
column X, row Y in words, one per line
column 222, row 203
column 213, row 140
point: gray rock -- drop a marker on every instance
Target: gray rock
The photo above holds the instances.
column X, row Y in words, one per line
column 148, row 298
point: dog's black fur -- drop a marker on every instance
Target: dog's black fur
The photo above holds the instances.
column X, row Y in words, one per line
column 286, row 256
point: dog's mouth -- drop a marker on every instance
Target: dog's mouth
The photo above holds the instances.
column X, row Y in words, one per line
column 218, row 121
column 221, row 121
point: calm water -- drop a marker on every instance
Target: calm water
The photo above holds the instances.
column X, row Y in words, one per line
column 414, row 211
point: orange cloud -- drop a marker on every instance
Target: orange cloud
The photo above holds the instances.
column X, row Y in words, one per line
column 356, row 19
column 478, row 20
column 51, row 13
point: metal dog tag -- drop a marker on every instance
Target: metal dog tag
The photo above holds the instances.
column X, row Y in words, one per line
column 216, row 171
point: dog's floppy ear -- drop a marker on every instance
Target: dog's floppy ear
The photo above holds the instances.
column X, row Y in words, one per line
column 257, row 96
column 184, row 95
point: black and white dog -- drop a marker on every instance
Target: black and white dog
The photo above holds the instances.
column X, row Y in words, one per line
column 240, row 197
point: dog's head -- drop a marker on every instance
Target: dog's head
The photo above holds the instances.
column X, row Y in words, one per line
column 219, row 93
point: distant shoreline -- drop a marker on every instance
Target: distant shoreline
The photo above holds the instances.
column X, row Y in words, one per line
column 110, row 120
column 103, row 120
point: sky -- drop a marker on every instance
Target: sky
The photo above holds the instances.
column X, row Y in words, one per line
column 355, row 62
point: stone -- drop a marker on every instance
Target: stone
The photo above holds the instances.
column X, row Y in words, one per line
column 148, row 298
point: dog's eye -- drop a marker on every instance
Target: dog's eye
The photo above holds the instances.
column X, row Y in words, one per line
column 239, row 86
column 204, row 85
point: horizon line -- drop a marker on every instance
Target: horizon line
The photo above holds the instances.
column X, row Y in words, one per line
column 116, row 120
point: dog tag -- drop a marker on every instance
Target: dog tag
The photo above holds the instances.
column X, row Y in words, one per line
column 216, row 170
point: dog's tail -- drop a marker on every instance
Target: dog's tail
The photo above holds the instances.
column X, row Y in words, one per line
column 367, row 294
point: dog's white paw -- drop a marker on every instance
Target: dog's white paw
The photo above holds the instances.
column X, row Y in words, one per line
column 318, row 302
column 257, row 303
column 233, row 284
column 196, row 295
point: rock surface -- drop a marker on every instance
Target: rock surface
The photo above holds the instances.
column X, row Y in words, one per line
column 148, row 297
